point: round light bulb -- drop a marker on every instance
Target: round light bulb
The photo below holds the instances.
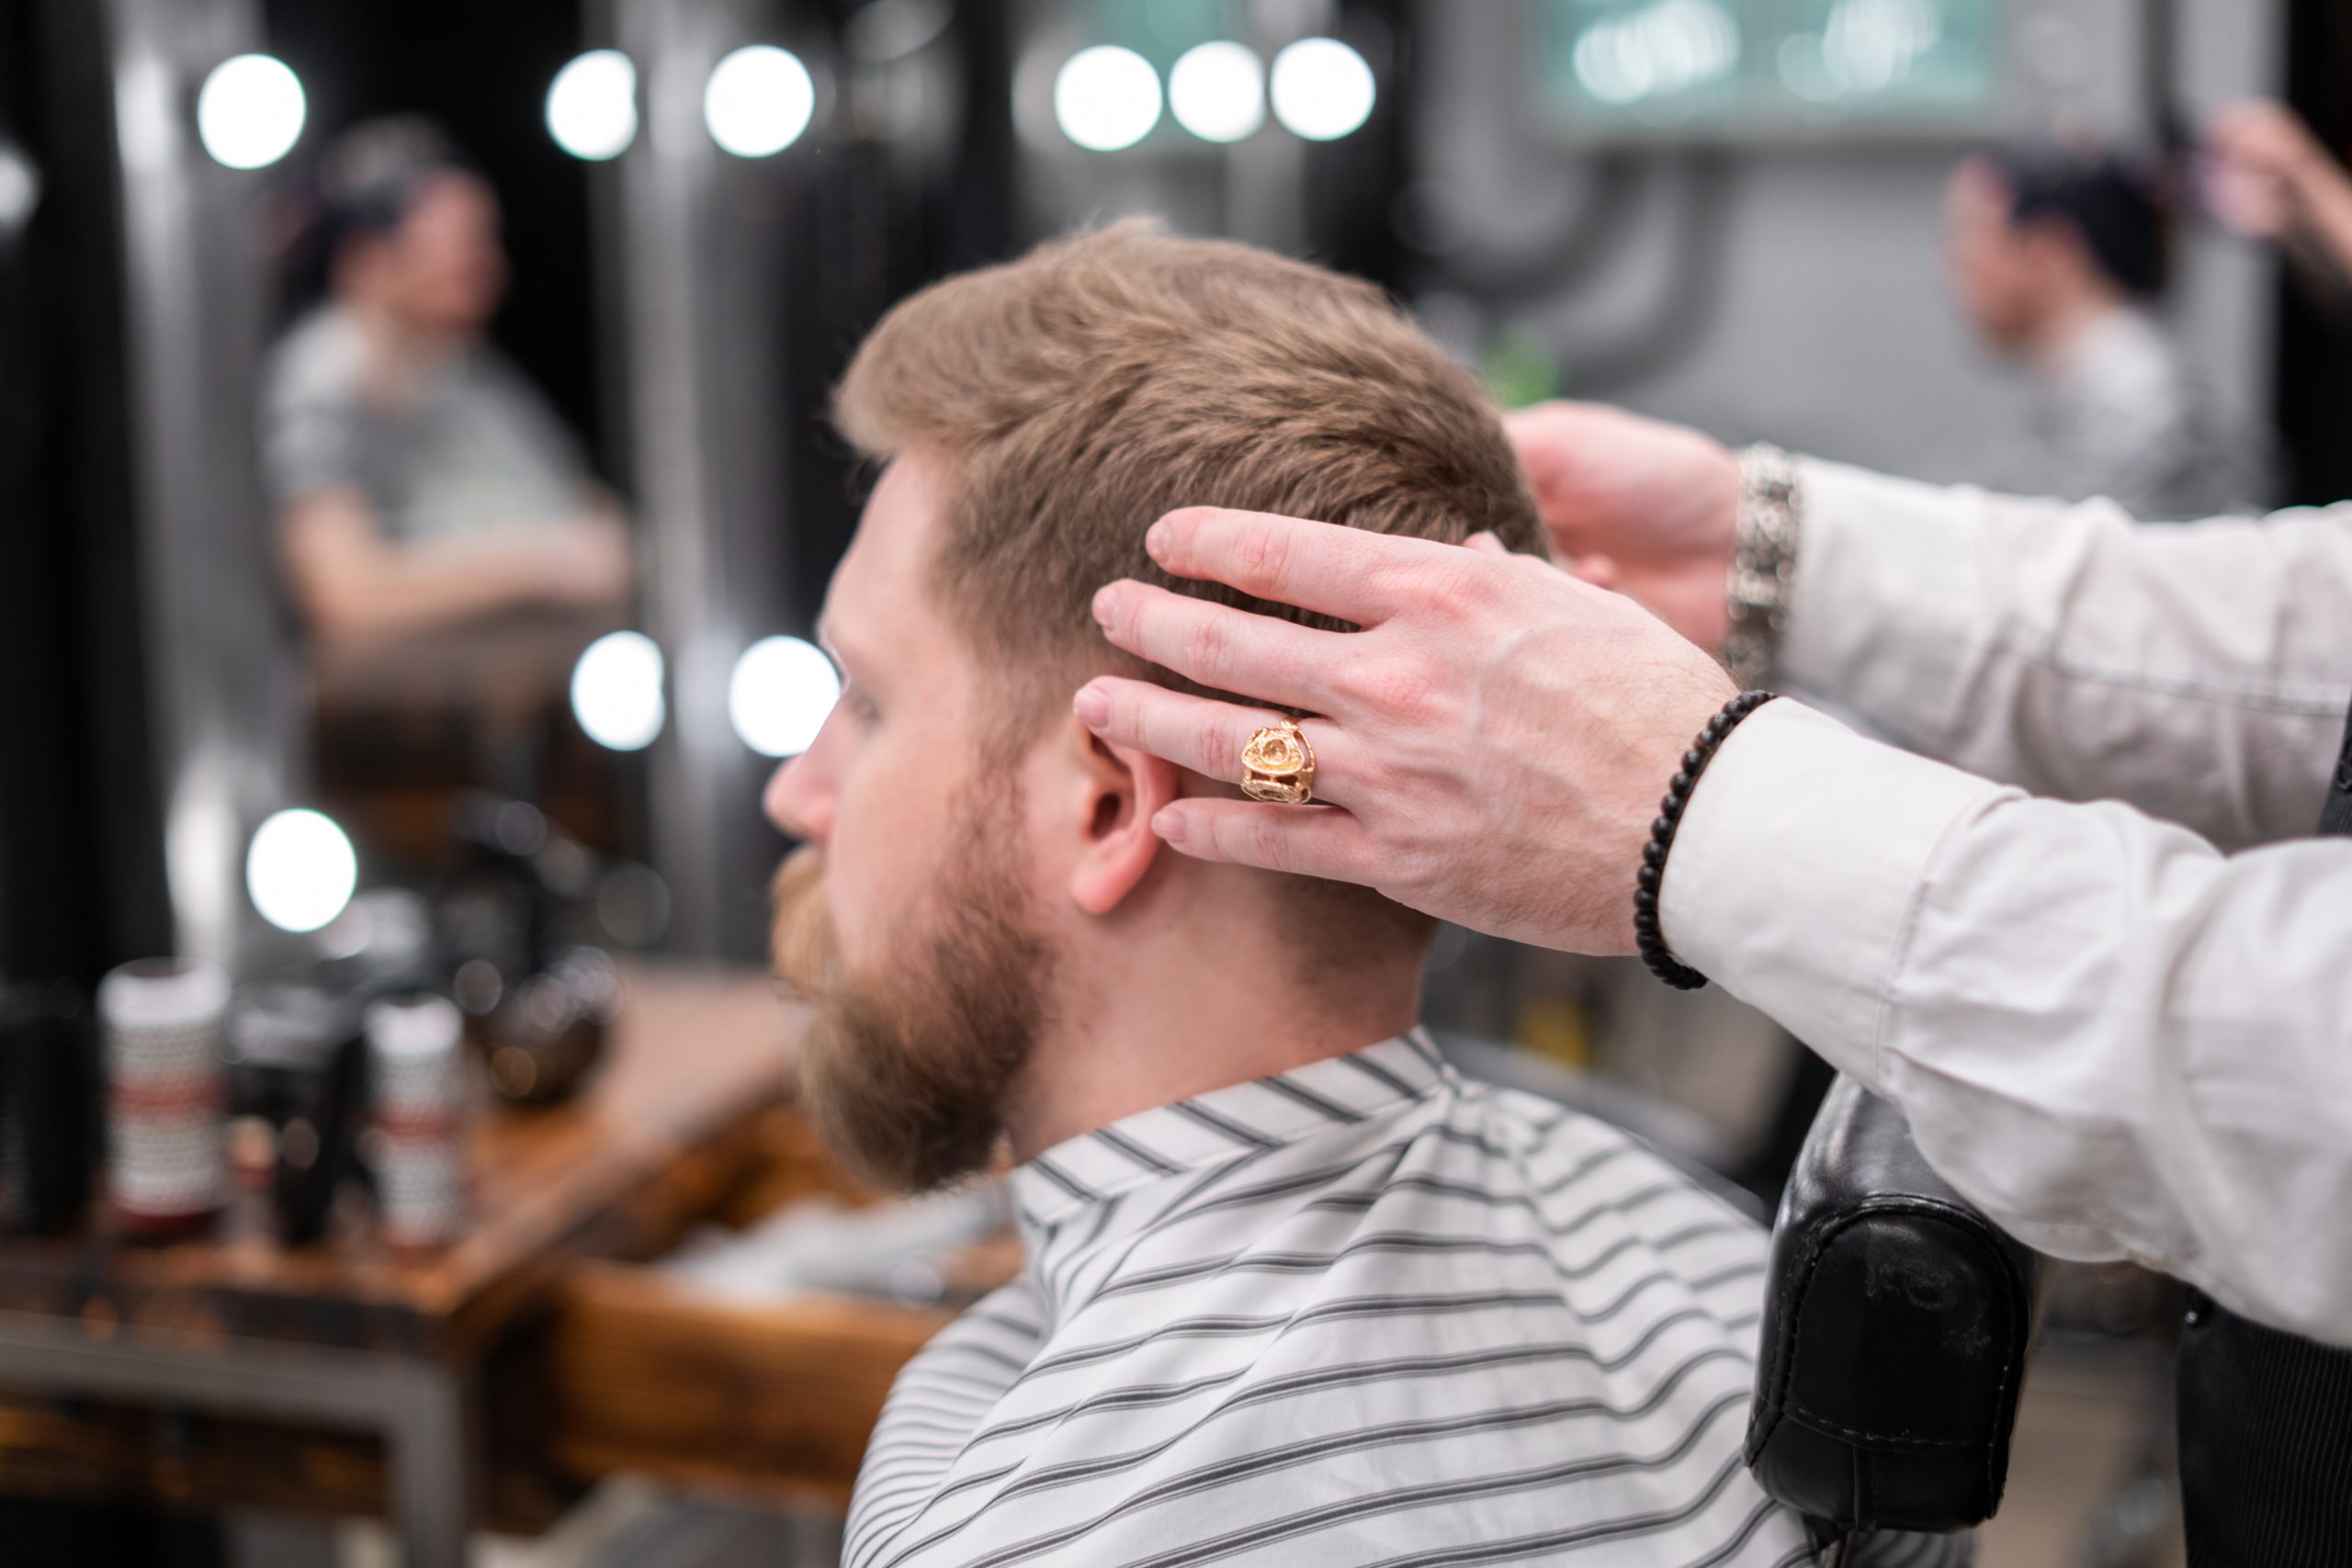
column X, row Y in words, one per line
column 19, row 188
column 1106, row 97
column 616, row 690
column 780, row 694
column 758, row 101
column 1217, row 92
column 592, row 104
column 1322, row 89
column 249, row 112
column 300, row 870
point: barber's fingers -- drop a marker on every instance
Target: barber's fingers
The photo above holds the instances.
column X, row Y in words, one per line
column 1310, row 841
column 1279, row 662
column 1203, row 735
column 1352, row 573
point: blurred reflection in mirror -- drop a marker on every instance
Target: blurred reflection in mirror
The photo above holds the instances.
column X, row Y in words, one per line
column 445, row 549
column 2061, row 259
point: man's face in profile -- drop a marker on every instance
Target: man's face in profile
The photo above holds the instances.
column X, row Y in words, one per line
column 442, row 269
column 1985, row 258
column 909, row 918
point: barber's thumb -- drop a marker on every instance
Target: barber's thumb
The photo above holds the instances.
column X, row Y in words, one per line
column 1488, row 543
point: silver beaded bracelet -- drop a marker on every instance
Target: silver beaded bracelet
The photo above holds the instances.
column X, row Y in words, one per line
column 1763, row 558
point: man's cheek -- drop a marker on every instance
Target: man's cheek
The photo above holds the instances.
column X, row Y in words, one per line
column 850, row 906
column 881, row 867
column 801, row 942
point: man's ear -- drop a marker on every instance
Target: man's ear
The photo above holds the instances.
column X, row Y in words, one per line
column 1118, row 791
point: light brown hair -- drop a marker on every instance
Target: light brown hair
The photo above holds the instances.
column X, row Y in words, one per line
column 1076, row 395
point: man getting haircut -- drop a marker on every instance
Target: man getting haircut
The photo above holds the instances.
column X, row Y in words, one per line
column 1294, row 1291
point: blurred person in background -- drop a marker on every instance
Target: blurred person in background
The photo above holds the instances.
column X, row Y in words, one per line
column 420, row 481
column 2059, row 260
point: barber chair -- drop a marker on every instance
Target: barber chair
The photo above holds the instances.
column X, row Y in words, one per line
column 1897, row 1317
column 1897, row 1320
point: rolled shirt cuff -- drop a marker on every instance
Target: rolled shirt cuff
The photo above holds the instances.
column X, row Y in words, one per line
column 1798, row 866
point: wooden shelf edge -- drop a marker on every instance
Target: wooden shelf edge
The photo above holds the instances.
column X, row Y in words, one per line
column 770, row 1399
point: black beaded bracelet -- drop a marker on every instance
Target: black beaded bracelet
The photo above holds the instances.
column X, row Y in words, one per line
column 1647, row 936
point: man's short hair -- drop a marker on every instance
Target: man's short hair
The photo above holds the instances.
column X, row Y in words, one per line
column 1076, row 395
column 1104, row 379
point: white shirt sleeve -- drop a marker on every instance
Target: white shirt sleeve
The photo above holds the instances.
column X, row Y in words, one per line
column 2114, row 1039
column 2118, row 1040
column 2201, row 671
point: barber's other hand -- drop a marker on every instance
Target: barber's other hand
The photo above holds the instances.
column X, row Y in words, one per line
column 1493, row 743
column 2266, row 167
column 1637, row 505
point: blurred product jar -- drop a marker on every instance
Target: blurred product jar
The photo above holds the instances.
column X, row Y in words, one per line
column 167, row 1161
column 418, row 1067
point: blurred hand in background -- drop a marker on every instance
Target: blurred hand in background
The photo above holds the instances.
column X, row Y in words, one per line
column 1636, row 505
column 2269, row 177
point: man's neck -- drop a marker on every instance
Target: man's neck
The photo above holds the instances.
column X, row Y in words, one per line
column 401, row 356
column 1160, row 1022
column 2069, row 326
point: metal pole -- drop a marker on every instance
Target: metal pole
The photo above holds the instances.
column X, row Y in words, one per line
column 220, row 676
column 708, row 452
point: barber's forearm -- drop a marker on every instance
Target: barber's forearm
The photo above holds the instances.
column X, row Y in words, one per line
column 2115, row 1040
column 2200, row 673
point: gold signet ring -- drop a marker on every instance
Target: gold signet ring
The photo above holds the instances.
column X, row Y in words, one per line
column 1279, row 765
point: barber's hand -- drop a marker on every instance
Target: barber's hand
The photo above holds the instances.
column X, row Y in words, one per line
column 1636, row 505
column 1493, row 743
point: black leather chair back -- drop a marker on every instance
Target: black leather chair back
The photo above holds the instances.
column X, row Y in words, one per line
column 1896, row 1325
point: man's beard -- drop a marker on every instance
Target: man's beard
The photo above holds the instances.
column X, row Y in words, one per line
column 905, row 1072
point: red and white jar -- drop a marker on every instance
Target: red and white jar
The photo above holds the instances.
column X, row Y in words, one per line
column 418, row 1072
column 168, row 1160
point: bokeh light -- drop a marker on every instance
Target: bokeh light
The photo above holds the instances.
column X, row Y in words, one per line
column 592, row 106
column 780, row 694
column 249, row 112
column 1106, row 99
column 1670, row 47
column 300, row 871
column 616, row 690
column 19, row 188
column 758, row 101
column 1217, row 92
column 1322, row 89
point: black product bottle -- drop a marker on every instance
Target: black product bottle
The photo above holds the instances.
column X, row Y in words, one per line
column 49, row 1106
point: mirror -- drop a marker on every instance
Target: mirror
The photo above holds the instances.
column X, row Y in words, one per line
column 439, row 455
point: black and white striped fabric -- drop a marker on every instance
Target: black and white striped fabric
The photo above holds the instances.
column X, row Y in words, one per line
column 1364, row 1313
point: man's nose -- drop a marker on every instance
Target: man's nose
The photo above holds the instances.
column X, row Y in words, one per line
column 797, row 802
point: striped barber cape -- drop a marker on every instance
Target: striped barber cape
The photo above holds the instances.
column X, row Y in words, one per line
column 1367, row 1312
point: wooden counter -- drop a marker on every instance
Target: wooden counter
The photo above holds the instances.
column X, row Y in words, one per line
column 508, row 1368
